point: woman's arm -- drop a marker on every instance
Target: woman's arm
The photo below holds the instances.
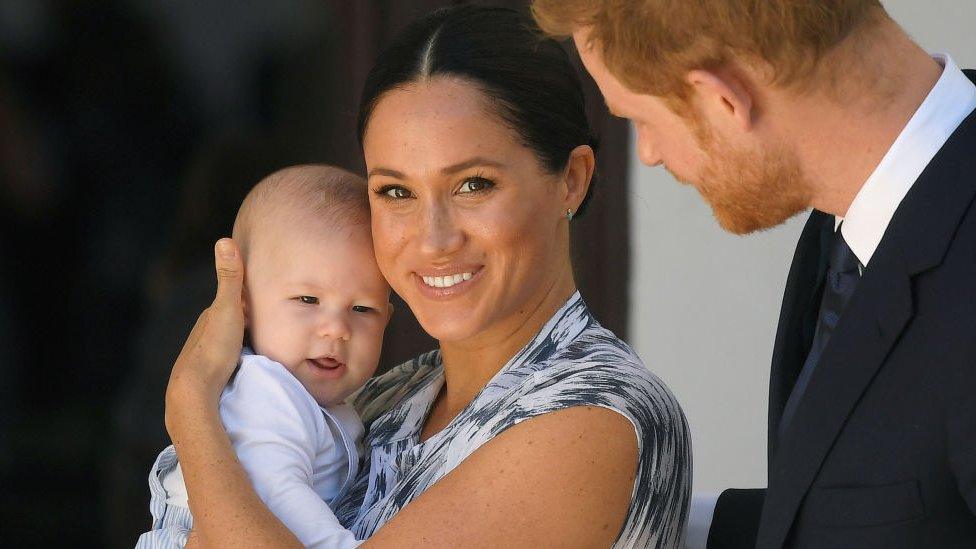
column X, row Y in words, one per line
column 226, row 509
column 564, row 478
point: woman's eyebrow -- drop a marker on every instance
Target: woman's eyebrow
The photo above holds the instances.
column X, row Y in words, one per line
column 385, row 171
column 470, row 163
column 453, row 168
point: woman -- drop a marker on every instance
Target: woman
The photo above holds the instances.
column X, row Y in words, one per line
column 531, row 425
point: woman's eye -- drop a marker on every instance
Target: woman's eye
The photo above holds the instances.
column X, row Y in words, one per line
column 475, row 184
column 362, row 309
column 394, row 191
column 308, row 300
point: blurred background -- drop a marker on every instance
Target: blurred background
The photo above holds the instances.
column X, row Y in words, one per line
column 130, row 130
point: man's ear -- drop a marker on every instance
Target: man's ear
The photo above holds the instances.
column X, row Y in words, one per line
column 723, row 95
column 577, row 177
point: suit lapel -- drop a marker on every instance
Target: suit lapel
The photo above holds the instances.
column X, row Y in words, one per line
column 916, row 240
column 797, row 319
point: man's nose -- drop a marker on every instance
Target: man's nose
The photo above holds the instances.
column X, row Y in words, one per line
column 648, row 153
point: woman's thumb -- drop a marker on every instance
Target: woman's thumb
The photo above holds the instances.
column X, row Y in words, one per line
column 230, row 274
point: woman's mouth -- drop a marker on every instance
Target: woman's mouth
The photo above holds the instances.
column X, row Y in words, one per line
column 442, row 286
column 446, row 281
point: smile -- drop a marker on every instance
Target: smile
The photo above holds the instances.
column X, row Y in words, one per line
column 446, row 281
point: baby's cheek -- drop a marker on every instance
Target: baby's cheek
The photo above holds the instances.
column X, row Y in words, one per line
column 275, row 340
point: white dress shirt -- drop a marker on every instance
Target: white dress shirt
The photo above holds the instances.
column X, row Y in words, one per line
column 950, row 101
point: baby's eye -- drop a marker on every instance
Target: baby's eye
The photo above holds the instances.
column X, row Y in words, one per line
column 308, row 299
column 395, row 192
column 475, row 184
column 362, row 309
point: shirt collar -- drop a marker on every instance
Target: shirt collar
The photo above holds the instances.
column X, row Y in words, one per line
column 948, row 103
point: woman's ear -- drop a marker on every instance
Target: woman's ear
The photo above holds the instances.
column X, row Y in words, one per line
column 577, row 177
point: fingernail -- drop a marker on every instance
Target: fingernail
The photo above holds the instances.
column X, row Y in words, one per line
column 224, row 248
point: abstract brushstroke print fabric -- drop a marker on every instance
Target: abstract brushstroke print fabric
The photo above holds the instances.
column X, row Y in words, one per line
column 572, row 361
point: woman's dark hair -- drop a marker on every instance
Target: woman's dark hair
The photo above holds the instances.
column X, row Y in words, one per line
column 528, row 78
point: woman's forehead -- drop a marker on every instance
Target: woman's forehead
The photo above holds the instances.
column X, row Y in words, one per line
column 441, row 121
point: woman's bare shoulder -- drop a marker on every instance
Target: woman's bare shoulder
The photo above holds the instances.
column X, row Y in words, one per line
column 569, row 473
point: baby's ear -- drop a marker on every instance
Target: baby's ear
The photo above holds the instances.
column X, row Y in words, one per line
column 389, row 312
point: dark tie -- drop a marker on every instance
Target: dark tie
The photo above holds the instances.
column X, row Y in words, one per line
column 843, row 274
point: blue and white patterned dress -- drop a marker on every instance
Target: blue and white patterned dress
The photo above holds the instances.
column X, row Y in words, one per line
column 573, row 361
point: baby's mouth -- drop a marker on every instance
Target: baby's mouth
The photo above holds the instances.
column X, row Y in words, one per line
column 325, row 363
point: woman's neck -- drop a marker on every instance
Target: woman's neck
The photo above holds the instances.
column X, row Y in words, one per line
column 469, row 365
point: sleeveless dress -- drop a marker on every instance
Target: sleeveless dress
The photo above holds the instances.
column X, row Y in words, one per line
column 572, row 361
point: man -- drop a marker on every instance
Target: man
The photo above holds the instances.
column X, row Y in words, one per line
column 767, row 109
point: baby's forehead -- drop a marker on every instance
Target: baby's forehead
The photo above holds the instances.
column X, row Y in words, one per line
column 290, row 239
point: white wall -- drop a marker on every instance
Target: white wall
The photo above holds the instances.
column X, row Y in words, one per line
column 705, row 303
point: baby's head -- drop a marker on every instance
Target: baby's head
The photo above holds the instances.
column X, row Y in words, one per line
column 315, row 300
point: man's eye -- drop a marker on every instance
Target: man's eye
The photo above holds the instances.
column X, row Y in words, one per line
column 362, row 309
column 475, row 184
column 395, row 192
column 308, row 300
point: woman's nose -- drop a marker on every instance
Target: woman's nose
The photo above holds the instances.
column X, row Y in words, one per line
column 333, row 325
column 439, row 232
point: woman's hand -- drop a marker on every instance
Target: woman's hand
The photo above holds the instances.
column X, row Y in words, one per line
column 211, row 352
column 226, row 510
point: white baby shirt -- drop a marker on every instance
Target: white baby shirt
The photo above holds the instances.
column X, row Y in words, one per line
column 298, row 455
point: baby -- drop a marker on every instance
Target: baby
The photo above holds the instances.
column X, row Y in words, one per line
column 316, row 307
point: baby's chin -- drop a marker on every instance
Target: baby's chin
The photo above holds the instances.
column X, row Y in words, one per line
column 326, row 399
column 328, row 393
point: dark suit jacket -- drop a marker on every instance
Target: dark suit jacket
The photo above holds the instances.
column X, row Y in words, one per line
column 882, row 449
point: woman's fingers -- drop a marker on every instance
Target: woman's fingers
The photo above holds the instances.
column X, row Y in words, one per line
column 217, row 337
column 230, row 275
column 213, row 347
column 224, row 327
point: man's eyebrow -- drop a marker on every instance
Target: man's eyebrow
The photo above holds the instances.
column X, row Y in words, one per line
column 470, row 163
column 385, row 171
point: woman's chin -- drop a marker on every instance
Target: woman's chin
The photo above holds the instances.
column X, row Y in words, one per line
column 449, row 328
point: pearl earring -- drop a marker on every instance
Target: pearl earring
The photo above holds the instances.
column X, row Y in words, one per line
column 569, row 215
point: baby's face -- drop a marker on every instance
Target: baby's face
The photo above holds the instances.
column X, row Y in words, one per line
column 318, row 305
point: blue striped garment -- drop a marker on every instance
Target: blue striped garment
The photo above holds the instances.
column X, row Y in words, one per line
column 171, row 524
column 573, row 361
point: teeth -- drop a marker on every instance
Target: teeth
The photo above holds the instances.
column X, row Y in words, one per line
column 446, row 281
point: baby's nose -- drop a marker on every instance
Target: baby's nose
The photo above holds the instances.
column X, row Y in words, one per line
column 334, row 326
